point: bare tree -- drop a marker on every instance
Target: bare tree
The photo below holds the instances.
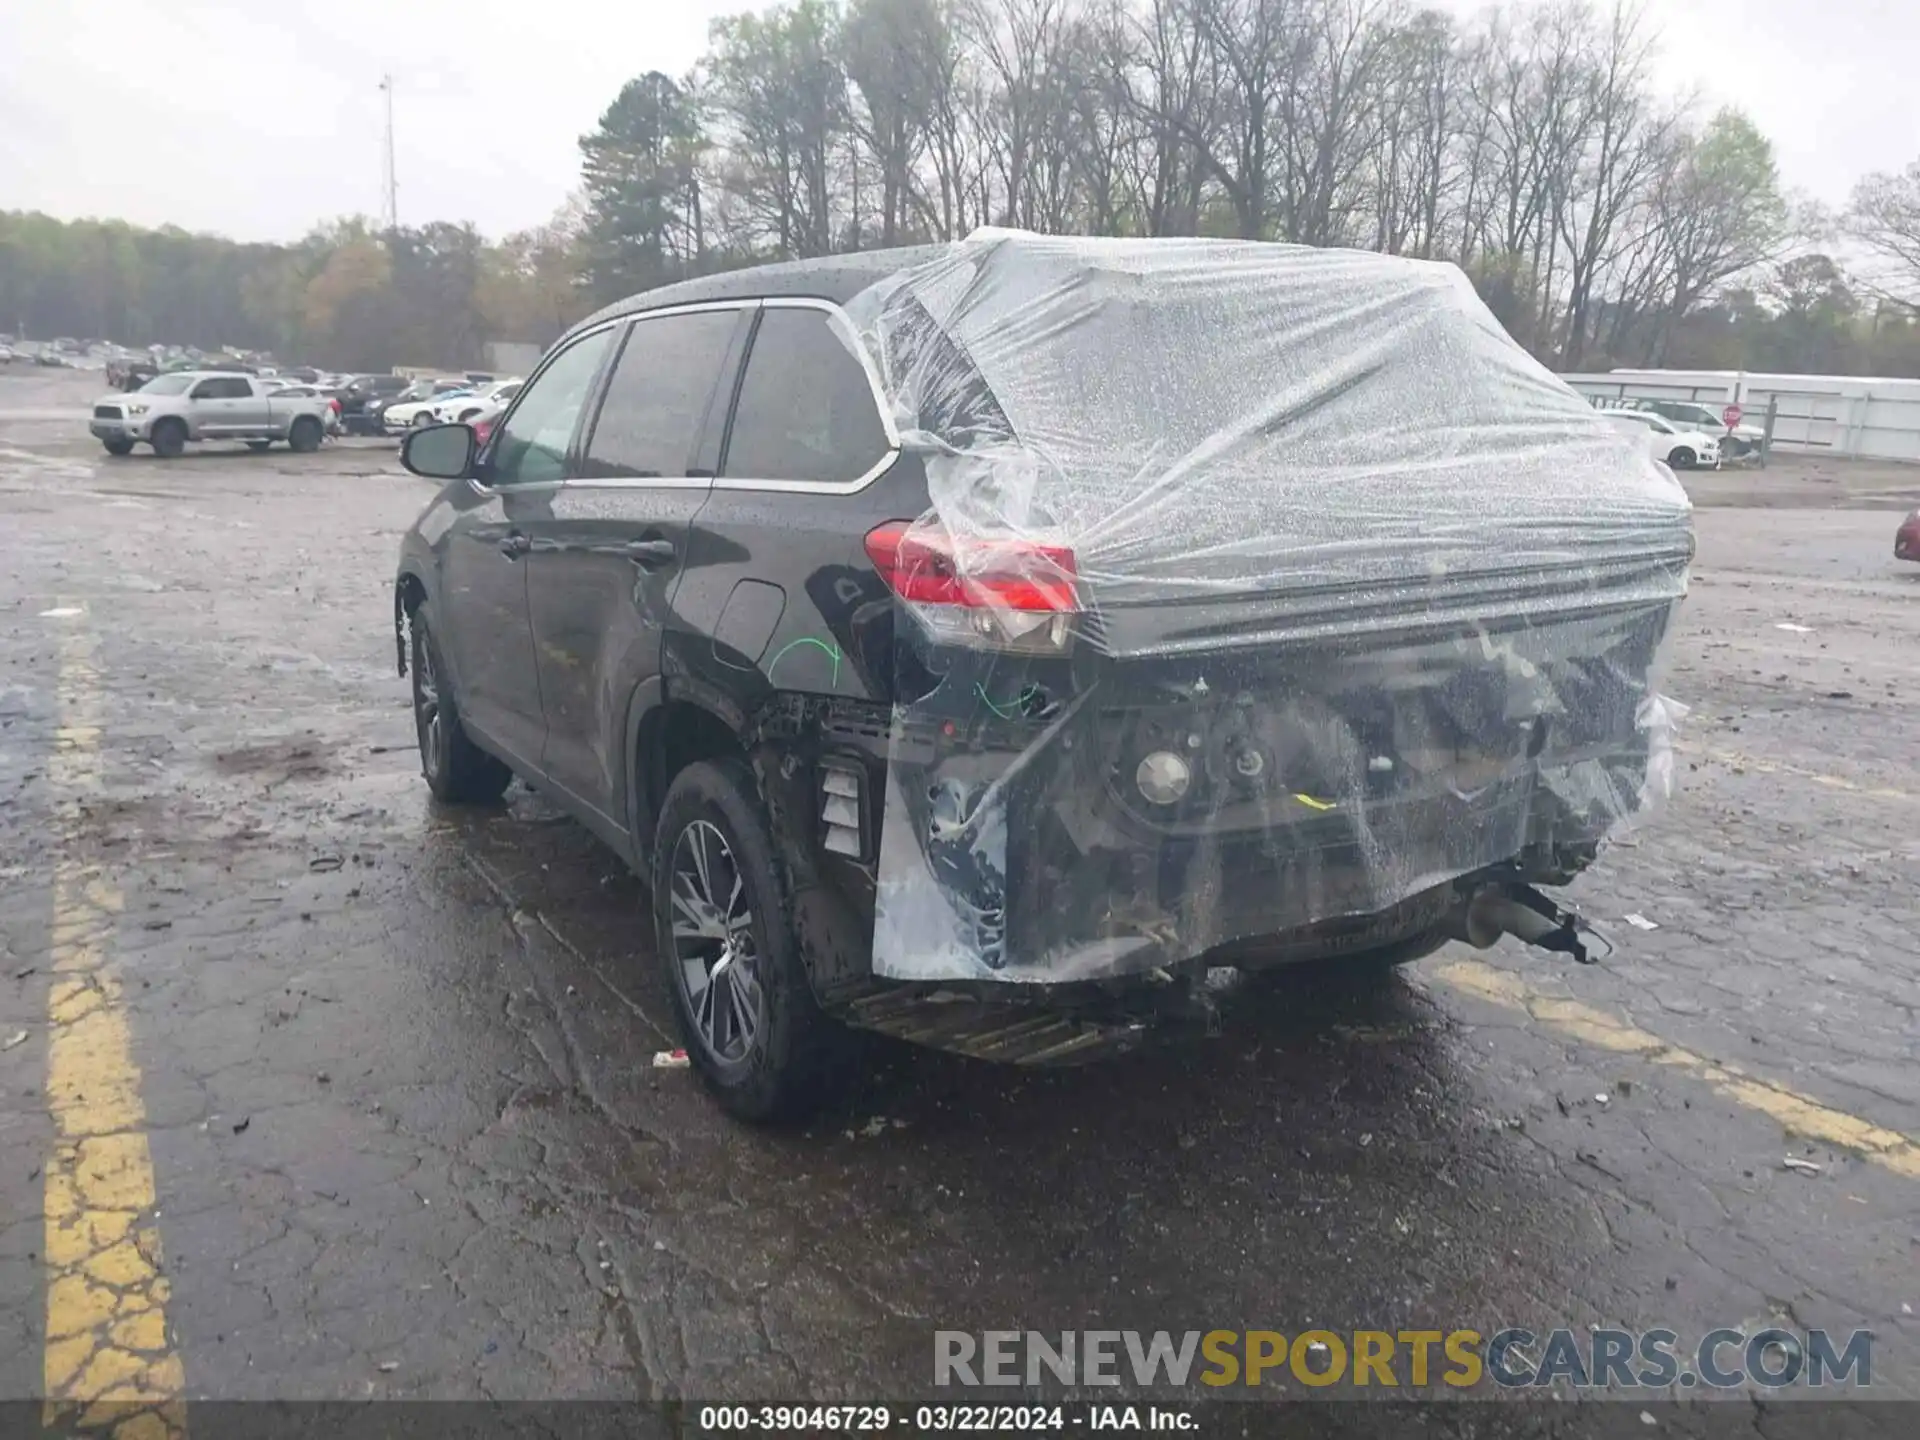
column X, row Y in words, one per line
column 1408, row 169
column 1175, row 94
column 1719, row 211
column 1620, row 144
column 1884, row 215
column 779, row 93
column 1332, row 111
column 1530, row 144
column 886, row 43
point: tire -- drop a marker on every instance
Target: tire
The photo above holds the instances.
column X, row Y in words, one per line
column 456, row 770
column 258, row 445
column 787, row 1057
column 1681, row 458
column 306, row 435
column 169, row 439
column 420, row 421
column 119, row 449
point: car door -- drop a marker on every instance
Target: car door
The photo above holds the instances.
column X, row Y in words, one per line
column 219, row 403
column 481, row 606
column 609, row 548
column 252, row 409
column 779, row 589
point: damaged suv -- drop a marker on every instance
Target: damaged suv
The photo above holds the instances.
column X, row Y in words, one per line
column 985, row 643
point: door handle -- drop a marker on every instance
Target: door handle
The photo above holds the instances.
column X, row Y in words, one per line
column 514, row 546
column 648, row 553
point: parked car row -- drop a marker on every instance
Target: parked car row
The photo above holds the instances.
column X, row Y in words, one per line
column 449, row 398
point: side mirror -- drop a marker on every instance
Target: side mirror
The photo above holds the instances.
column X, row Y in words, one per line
column 439, row 452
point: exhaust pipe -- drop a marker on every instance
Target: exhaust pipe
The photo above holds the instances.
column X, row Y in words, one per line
column 1524, row 913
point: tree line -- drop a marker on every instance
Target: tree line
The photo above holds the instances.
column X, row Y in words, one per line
column 348, row 295
column 1604, row 220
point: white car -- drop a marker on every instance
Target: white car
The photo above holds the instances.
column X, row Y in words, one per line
column 405, row 414
column 1682, row 449
column 1693, row 415
column 466, row 407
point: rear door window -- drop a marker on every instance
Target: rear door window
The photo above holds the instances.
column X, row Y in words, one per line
column 806, row 409
column 658, row 396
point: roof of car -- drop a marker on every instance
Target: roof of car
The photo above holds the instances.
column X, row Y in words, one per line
column 829, row 277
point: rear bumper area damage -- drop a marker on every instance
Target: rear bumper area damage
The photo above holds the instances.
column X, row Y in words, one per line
column 1055, row 1024
column 1264, row 809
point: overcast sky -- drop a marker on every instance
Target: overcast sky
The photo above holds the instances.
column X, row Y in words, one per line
column 256, row 118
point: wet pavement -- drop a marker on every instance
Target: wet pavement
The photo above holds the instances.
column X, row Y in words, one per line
column 358, row 1092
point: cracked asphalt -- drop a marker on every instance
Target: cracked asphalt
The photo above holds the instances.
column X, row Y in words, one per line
column 388, row 1066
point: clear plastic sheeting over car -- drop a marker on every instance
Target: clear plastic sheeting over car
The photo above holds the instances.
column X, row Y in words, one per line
column 1267, row 593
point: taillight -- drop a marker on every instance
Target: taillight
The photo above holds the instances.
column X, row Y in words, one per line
column 921, row 563
column 998, row 591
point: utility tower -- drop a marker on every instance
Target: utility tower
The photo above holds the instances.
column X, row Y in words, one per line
column 389, row 179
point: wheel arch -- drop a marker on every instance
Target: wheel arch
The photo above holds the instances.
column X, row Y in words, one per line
column 668, row 729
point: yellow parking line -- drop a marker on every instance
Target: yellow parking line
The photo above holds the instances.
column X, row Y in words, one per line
column 1795, row 1113
column 1774, row 767
column 109, row 1354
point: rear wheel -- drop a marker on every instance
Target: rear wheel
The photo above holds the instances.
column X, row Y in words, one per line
column 306, row 435
column 456, row 770
column 118, row 447
column 752, row 1028
column 421, row 420
column 169, row 438
column 1682, row 458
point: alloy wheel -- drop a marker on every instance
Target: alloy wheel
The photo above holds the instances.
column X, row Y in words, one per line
column 713, row 944
column 427, row 716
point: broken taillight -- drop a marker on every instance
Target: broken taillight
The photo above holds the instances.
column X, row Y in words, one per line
column 921, row 563
column 997, row 591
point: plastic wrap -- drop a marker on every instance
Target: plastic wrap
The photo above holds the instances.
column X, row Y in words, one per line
column 1264, row 592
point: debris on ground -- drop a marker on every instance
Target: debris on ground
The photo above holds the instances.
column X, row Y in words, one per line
column 240, row 1126
column 1640, row 922
column 325, row 864
column 1794, row 629
column 1804, row 1167
column 19, row 1037
column 670, row 1060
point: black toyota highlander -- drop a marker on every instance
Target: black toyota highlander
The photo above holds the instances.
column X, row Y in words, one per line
column 992, row 644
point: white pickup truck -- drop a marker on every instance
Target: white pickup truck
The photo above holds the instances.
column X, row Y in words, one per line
column 170, row 410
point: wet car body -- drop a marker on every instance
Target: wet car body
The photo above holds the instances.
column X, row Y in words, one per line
column 1362, row 770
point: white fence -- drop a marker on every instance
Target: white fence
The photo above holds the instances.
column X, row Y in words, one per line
column 1828, row 414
